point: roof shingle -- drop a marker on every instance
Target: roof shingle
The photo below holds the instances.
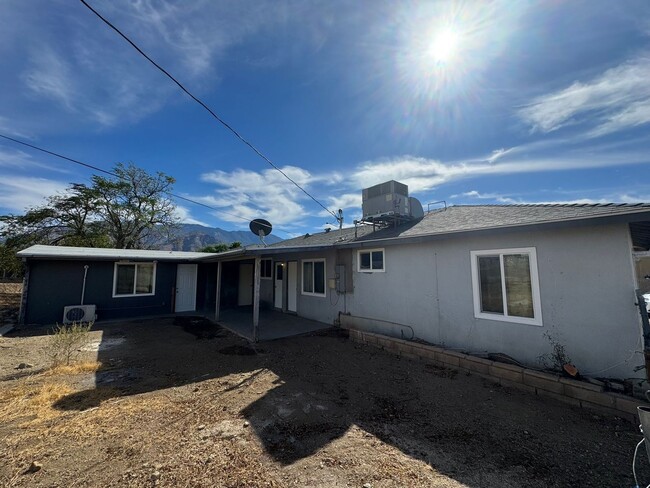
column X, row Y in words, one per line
column 467, row 218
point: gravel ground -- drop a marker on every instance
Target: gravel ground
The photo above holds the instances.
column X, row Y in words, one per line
column 186, row 403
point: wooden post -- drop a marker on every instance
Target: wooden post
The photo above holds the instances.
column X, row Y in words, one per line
column 218, row 301
column 256, row 299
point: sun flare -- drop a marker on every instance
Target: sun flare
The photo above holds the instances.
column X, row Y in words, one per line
column 444, row 46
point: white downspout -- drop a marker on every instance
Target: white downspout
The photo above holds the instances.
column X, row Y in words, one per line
column 83, row 287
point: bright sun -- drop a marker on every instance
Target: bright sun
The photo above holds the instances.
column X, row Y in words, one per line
column 444, row 45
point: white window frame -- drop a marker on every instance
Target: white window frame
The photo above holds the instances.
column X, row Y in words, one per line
column 135, row 279
column 534, row 283
column 262, row 277
column 302, row 277
column 370, row 251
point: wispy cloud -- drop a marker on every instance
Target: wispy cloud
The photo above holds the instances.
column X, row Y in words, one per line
column 498, row 154
column 80, row 66
column 495, row 197
column 607, row 197
column 50, row 77
column 613, row 101
column 245, row 194
column 8, row 127
column 19, row 193
column 423, row 174
column 20, row 160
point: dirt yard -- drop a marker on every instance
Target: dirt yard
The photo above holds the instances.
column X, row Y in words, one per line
column 189, row 404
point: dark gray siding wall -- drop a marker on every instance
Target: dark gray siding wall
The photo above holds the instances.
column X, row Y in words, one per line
column 55, row 284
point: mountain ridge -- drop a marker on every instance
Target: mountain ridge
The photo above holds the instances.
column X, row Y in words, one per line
column 194, row 237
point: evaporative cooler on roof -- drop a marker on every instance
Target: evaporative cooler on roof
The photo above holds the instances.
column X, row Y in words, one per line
column 388, row 201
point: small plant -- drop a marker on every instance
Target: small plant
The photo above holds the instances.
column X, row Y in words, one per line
column 558, row 357
column 66, row 341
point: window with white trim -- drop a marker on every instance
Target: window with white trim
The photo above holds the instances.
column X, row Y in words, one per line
column 371, row 260
column 506, row 285
column 134, row 279
column 266, row 272
column 313, row 277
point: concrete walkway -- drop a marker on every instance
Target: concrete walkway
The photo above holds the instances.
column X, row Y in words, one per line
column 273, row 324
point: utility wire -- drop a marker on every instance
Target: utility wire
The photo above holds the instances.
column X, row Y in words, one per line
column 59, row 156
column 96, row 168
column 209, row 110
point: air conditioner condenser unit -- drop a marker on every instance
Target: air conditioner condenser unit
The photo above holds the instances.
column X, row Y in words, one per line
column 79, row 313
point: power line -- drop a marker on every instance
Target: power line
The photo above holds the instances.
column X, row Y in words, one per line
column 208, row 109
column 60, row 156
column 96, row 168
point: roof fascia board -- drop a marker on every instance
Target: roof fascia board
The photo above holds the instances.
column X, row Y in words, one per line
column 40, row 257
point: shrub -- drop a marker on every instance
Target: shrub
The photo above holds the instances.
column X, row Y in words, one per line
column 66, row 340
column 556, row 359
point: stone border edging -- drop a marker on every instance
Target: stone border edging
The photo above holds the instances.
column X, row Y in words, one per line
column 572, row 392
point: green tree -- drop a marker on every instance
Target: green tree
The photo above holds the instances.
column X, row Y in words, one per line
column 122, row 212
column 221, row 247
column 10, row 265
column 63, row 220
column 135, row 206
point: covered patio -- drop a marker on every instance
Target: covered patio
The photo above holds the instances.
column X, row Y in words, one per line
column 256, row 303
column 272, row 324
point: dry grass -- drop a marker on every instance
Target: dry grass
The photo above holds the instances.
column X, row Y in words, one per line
column 75, row 368
column 36, row 397
column 50, row 393
column 32, row 400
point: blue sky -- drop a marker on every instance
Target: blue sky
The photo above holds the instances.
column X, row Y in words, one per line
column 468, row 102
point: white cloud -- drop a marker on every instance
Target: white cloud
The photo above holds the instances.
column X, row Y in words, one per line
column 245, row 195
column 183, row 214
column 498, row 154
column 633, row 198
column 496, row 197
column 345, row 201
column 18, row 193
column 616, row 100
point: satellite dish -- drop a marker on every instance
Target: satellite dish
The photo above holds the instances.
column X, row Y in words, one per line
column 260, row 227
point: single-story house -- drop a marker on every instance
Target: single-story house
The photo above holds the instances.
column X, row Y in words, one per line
column 524, row 280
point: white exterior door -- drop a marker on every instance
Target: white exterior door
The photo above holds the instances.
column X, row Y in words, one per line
column 279, row 281
column 245, row 295
column 185, row 288
column 292, row 286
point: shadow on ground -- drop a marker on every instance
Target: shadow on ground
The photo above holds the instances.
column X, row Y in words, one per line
column 467, row 429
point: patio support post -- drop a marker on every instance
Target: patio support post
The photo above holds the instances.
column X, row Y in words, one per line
column 256, row 298
column 218, row 301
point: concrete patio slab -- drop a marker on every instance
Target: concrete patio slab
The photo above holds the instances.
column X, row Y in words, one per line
column 272, row 325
